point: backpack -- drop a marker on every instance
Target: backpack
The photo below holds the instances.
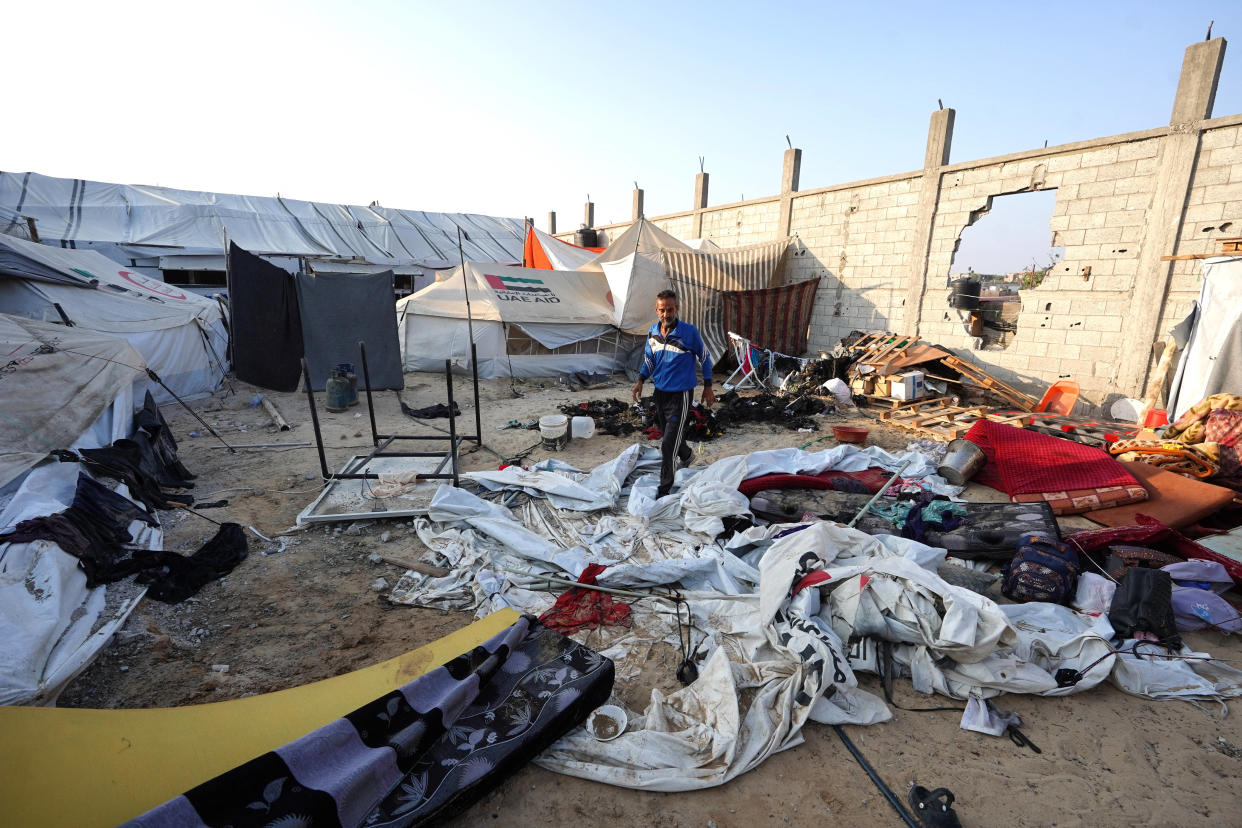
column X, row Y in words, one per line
column 1043, row 569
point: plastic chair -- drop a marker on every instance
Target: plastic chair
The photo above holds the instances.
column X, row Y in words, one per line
column 745, row 355
column 1060, row 398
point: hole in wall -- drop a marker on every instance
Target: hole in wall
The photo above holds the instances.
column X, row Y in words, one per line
column 1007, row 248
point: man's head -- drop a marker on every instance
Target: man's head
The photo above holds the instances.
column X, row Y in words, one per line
column 666, row 308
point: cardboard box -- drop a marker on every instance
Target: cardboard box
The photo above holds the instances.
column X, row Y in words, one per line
column 909, row 386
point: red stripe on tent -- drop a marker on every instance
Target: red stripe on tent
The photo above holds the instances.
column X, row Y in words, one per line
column 494, row 281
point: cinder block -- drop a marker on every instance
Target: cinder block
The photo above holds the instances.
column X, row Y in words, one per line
column 1138, row 149
column 1104, row 204
column 1096, row 188
column 1075, row 336
column 1210, row 211
column 1225, row 156
column 1122, row 169
column 1099, row 157
column 1205, row 176
column 1216, row 138
column 1125, row 218
column 1061, row 163
column 1080, row 176
column 1145, row 166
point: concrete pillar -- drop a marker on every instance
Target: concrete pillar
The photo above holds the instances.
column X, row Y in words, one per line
column 700, row 204
column 1196, row 89
column 552, row 223
column 1179, row 151
column 588, row 214
column 638, row 204
column 790, row 170
column 939, row 140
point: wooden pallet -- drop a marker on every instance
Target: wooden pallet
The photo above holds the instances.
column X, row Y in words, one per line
column 938, row 421
column 990, row 383
column 900, row 405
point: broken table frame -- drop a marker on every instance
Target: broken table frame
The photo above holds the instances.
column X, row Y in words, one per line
column 383, row 442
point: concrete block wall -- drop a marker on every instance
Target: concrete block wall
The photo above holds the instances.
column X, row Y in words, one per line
column 883, row 248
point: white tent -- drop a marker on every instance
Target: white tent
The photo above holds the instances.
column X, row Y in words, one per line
column 632, row 265
column 1212, row 360
column 540, row 322
column 181, row 335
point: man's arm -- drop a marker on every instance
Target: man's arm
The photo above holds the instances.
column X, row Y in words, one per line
column 709, row 396
column 648, row 367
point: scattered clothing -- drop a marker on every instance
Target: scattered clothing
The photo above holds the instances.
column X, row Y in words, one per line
column 431, row 412
column 580, row 609
column 171, row 577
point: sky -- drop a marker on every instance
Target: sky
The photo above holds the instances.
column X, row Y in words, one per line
column 516, row 109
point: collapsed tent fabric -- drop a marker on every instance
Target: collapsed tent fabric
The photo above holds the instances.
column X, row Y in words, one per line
column 777, row 319
column 167, row 224
column 267, row 325
column 181, row 335
column 55, row 383
column 1212, row 360
column 700, row 277
column 546, row 252
column 338, row 311
column 51, row 624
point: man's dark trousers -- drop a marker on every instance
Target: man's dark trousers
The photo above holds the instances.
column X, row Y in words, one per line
column 672, row 411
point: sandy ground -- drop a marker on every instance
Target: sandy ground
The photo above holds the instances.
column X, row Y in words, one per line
column 309, row 612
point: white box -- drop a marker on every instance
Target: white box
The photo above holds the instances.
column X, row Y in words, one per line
column 910, row 386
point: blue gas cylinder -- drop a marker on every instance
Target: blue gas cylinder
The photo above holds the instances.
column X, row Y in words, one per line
column 337, row 392
column 346, row 370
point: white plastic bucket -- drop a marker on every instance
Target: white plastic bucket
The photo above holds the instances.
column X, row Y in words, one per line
column 554, row 429
column 582, row 428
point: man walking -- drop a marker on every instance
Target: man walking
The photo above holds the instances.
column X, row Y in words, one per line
column 674, row 349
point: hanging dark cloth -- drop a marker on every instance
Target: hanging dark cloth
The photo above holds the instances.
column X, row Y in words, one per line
column 267, row 325
column 153, row 436
column 339, row 310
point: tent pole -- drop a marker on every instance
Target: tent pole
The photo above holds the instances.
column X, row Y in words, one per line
column 215, row 433
column 228, row 289
column 474, row 351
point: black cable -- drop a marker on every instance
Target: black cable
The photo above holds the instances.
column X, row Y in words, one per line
column 875, row 778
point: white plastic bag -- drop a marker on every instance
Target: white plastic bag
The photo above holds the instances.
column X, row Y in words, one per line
column 1095, row 594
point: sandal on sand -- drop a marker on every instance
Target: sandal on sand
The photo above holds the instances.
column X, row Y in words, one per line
column 934, row 809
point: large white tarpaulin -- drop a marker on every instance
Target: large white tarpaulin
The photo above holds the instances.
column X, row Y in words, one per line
column 167, row 222
column 771, row 609
column 1212, row 360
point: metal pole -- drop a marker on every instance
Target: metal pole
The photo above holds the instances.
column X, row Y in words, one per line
column 448, row 383
column 366, row 379
column 909, row 459
column 310, row 398
column 228, row 288
column 194, row 413
column 474, row 375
